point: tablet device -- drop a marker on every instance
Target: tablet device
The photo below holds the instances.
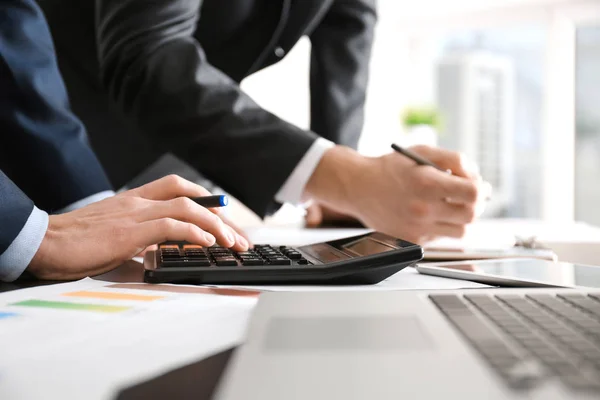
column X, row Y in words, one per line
column 517, row 273
column 364, row 259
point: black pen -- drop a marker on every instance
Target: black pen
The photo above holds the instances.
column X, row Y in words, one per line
column 423, row 161
column 211, row 201
column 417, row 158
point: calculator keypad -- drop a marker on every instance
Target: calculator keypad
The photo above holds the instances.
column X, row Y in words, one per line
column 188, row 255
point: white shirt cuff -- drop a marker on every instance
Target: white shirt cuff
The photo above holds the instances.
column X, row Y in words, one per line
column 19, row 254
column 86, row 201
column 293, row 188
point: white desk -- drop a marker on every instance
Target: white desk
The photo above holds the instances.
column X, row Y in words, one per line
column 51, row 372
column 573, row 242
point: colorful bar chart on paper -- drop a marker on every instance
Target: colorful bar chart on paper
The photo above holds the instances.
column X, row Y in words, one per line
column 7, row 314
column 112, row 296
column 63, row 305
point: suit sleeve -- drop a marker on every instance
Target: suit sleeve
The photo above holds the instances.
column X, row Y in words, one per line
column 23, row 229
column 339, row 70
column 44, row 148
column 158, row 75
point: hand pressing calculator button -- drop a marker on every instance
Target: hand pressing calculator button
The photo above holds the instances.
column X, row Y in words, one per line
column 363, row 259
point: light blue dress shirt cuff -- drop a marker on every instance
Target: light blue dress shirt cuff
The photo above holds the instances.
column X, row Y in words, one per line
column 293, row 188
column 87, row 201
column 19, row 254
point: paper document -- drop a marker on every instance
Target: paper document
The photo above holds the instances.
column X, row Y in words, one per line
column 86, row 339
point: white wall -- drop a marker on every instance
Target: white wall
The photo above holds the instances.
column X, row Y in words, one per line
column 283, row 88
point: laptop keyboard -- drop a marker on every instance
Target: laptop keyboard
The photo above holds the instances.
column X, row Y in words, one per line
column 188, row 255
column 528, row 339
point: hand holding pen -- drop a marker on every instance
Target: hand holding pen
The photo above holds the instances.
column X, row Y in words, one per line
column 486, row 188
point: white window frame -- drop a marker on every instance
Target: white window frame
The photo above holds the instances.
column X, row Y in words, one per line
column 560, row 18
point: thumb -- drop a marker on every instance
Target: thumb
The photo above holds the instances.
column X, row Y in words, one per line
column 314, row 216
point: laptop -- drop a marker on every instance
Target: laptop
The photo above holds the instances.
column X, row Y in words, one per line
column 483, row 344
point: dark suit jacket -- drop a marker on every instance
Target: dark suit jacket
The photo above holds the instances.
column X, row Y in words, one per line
column 150, row 76
column 44, row 156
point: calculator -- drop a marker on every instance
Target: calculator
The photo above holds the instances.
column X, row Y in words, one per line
column 364, row 259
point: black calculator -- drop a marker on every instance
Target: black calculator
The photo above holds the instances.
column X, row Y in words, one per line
column 363, row 259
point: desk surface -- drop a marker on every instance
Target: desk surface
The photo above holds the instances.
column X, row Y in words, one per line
column 198, row 378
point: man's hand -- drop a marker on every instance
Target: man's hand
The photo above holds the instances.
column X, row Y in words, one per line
column 103, row 235
column 394, row 195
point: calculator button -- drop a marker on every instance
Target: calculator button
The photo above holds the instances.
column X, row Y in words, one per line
column 294, row 255
column 166, row 259
column 303, row 261
column 253, row 262
column 169, row 251
column 226, row 263
column 170, row 255
column 185, row 263
column 173, row 264
column 280, row 261
column 199, row 260
column 199, row 263
column 220, row 256
column 225, row 258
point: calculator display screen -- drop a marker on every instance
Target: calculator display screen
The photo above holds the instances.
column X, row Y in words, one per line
column 366, row 247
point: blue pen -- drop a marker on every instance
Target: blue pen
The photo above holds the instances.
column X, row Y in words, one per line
column 212, row 201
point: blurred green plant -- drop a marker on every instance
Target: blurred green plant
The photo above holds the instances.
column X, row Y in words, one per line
column 430, row 116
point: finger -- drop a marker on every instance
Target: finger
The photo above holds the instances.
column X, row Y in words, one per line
column 167, row 188
column 238, row 230
column 164, row 229
column 240, row 243
column 439, row 185
column 186, row 210
column 449, row 230
column 452, row 213
column 314, row 216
